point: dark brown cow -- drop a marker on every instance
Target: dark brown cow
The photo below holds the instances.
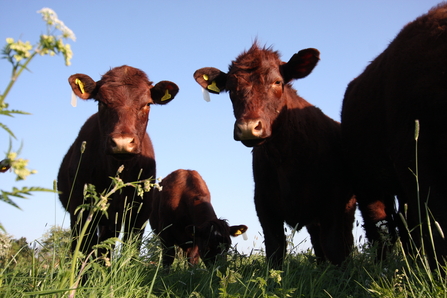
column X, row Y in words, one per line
column 115, row 135
column 408, row 81
column 182, row 215
column 297, row 167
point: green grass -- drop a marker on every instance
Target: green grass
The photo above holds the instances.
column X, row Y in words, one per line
column 134, row 273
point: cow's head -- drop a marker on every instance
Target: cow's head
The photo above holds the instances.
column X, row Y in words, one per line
column 213, row 238
column 124, row 95
column 256, row 81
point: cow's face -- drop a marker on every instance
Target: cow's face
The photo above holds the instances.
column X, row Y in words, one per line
column 256, row 82
column 124, row 96
column 213, row 238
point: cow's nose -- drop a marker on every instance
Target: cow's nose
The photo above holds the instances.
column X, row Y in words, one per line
column 123, row 145
column 248, row 130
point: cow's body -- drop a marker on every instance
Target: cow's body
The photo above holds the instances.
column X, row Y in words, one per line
column 114, row 136
column 297, row 167
column 182, row 215
column 407, row 82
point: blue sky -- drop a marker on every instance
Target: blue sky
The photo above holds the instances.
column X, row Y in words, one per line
column 169, row 40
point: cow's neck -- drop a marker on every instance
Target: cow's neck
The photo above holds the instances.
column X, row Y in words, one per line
column 295, row 124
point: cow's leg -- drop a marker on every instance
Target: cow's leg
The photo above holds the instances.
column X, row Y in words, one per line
column 273, row 227
column 379, row 223
column 272, row 224
column 348, row 224
column 314, row 232
column 332, row 240
column 168, row 249
column 336, row 233
column 275, row 243
column 268, row 208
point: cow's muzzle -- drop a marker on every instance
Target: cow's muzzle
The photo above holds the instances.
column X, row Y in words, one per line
column 250, row 132
column 124, row 145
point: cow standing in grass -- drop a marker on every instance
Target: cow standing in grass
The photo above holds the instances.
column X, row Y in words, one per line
column 182, row 215
column 115, row 136
column 405, row 83
column 298, row 171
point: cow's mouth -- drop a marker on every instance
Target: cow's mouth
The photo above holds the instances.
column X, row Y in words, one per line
column 123, row 156
column 253, row 142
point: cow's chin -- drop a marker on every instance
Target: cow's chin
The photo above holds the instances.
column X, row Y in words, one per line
column 123, row 156
column 253, row 142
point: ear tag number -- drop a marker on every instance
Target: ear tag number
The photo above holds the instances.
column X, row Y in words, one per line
column 166, row 96
column 80, row 84
column 213, row 87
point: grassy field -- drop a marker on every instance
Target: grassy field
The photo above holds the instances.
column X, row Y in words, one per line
column 132, row 272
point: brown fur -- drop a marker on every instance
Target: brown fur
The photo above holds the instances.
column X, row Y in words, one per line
column 115, row 135
column 297, row 167
column 182, row 215
column 408, row 81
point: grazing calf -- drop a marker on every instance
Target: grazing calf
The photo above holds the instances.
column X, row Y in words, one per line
column 115, row 135
column 297, row 160
column 182, row 215
column 407, row 82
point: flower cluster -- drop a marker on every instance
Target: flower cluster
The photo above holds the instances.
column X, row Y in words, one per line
column 49, row 44
column 50, row 17
column 19, row 165
column 21, row 49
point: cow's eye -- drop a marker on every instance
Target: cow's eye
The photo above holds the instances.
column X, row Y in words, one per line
column 278, row 82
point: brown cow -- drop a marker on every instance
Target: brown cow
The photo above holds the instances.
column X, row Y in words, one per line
column 182, row 215
column 115, row 135
column 298, row 172
column 408, row 81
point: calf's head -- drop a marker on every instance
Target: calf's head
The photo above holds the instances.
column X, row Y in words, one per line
column 256, row 81
column 213, row 238
column 124, row 95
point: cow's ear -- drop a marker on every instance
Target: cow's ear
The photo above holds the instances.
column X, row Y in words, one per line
column 300, row 65
column 238, row 230
column 83, row 85
column 163, row 92
column 211, row 79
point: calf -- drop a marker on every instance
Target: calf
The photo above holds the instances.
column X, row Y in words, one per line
column 115, row 135
column 182, row 215
column 407, row 82
column 297, row 160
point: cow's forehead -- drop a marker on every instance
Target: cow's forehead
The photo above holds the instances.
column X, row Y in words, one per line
column 255, row 66
column 118, row 92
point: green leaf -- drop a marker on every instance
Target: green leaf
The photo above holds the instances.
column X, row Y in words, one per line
column 8, row 130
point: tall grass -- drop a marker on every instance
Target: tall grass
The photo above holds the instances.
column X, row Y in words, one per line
column 132, row 272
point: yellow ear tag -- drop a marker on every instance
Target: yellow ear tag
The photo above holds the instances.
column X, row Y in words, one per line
column 238, row 233
column 205, row 77
column 80, row 84
column 166, row 96
column 213, row 87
